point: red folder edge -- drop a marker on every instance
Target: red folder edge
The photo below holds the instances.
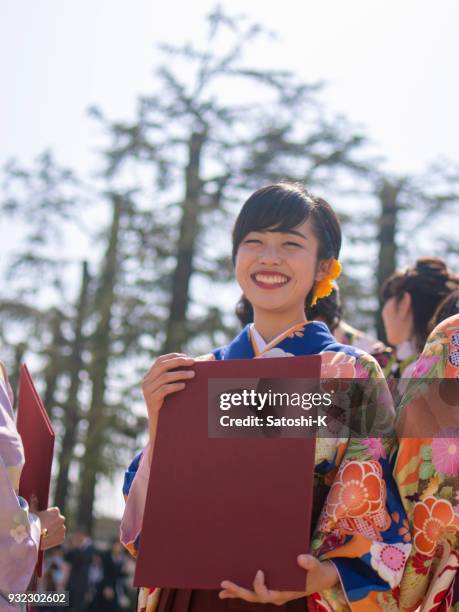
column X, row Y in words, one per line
column 33, row 421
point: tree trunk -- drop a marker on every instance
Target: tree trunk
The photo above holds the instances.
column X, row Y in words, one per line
column 54, row 366
column 19, row 352
column 176, row 333
column 387, row 253
column 72, row 414
column 92, row 461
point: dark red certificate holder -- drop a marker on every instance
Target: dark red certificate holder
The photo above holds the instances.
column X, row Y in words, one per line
column 37, row 437
column 223, row 508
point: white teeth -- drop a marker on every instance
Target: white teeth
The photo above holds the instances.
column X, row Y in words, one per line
column 271, row 278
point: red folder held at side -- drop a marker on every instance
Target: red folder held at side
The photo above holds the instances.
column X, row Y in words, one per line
column 37, row 436
column 223, row 508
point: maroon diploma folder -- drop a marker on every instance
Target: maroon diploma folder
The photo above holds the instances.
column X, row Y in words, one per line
column 37, row 436
column 221, row 508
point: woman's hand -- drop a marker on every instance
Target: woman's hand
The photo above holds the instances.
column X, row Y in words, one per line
column 52, row 520
column 160, row 382
column 321, row 575
column 260, row 593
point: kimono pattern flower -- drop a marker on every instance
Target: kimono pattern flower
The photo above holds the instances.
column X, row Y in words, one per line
column 19, row 529
column 362, row 526
column 427, row 472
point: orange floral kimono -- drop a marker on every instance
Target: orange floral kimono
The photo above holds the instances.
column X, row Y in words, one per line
column 427, row 473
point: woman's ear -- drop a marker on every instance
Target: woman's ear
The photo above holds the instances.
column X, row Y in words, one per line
column 323, row 269
column 405, row 304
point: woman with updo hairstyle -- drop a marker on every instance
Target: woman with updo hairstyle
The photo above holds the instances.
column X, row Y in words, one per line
column 286, row 245
column 410, row 299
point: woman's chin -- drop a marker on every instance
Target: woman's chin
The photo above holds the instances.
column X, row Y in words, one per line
column 268, row 306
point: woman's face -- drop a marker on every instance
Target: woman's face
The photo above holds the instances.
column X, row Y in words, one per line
column 276, row 270
column 398, row 319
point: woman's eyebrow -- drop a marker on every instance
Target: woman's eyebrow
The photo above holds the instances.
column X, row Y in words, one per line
column 295, row 233
column 291, row 231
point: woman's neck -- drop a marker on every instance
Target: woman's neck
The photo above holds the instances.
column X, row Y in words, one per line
column 271, row 324
column 406, row 349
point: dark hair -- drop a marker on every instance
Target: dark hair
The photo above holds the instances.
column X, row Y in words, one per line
column 279, row 208
column 447, row 308
column 428, row 283
column 328, row 309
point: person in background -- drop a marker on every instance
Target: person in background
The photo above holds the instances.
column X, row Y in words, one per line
column 427, row 474
column 110, row 587
column 79, row 555
column 57, row 571
column 54, row 577
column 22, row 532
column 410, row 299
column 96, row 576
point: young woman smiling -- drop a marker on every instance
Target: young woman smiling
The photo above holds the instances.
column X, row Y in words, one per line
column 286, row 245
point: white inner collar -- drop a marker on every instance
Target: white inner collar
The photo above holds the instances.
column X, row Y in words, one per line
column 261, row 344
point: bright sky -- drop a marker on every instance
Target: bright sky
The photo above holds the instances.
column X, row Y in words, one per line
column 391, row 66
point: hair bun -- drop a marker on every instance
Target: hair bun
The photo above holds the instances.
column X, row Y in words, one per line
column 432, row 266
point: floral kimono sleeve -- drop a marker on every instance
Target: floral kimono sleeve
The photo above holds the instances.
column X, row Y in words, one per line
column 427, row 471
column 363, row 528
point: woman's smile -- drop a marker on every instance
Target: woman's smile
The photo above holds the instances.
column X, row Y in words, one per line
column 269, row 280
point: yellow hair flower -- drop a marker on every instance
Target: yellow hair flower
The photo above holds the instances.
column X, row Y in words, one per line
column 324, row 287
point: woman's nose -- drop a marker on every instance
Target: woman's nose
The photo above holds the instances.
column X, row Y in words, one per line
column 270, row 255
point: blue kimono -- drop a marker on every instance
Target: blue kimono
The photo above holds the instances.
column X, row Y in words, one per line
column 362, row 526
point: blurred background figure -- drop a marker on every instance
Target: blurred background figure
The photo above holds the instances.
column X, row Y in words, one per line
column 110, row 594
column 79, row 555
column 410, row 299
column 96, row 576
column 55, row 575
column 57, row 571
